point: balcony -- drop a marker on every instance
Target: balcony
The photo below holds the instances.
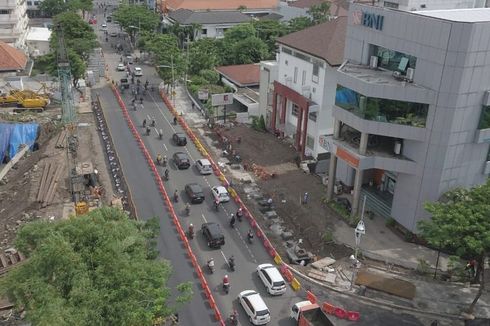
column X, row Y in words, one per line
column 380, row 83
column 380, row 153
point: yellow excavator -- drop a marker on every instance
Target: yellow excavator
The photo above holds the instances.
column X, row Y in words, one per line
column 25, row 99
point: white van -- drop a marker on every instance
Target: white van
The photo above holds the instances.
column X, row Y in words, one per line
column 204, row 166
column 272, row 279
column 255, row 307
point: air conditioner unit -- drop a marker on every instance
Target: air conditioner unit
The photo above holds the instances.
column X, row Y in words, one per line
column 373, row 62
column 410, row 72
column 398, row 147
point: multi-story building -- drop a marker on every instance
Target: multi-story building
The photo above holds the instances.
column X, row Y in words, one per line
column 414, row 5
column 412, row 108
column 304, row 89
column 13, row 22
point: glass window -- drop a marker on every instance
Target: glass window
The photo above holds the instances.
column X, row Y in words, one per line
column 310, row 142
column 393, row 60
column 484, row 118
column 390, row 5
column 204, row 31
column 380, row 109
column 312, row 116
column 295, row 110
column 303, row 78
column 316, row 72
column 295, row 74
column 302, row 56
column 286, row 50
column 29, row 3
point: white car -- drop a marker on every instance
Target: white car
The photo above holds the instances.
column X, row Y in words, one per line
column 272, row 279
column 204, row 166
column 255, row 307
column 104, row 26
column 138, row 72
column 120, row 67
column 220, row 194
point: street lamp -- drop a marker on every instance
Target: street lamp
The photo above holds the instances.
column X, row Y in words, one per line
column 359, row 231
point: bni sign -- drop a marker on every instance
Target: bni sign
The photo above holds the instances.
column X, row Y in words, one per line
column 368, row 19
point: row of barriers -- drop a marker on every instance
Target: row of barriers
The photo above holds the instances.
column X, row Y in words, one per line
column 283, row 267
column 170, row 208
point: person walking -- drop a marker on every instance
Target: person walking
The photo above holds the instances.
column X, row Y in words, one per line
column 305, row 198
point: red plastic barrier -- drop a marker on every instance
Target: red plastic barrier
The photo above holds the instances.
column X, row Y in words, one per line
column 353, row 315
column 340, row 313
column 329, row 308
column 286, row 272
column 311, row 297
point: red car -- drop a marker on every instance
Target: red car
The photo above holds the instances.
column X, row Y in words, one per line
column 92, row 21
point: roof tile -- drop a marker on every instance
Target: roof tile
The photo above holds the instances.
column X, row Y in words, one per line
column 220, row 4
column 241, row 75
column 11, row 58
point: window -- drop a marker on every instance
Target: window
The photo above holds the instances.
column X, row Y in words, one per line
column 312, row 116
column 388, row 4
column 380, row 109
column 302, row 56
column 288, row 51
column 393, row 60
column 204, row 31
column 5, row 12
column 303, row 78
column 295, row 75
column 310, row 142
column 316, row 72
column 36, row 3
column 295, row 110
column 29, row 3
column 484, row 118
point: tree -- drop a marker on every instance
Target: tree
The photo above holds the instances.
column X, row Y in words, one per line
column 462, row 225
column 167, row 55
column 79, row 35
column 299, row 23
column 83, row 5
column 53, row 7
column 136, row 17
column 320, row 13
column 203, row 55
column 94, row 269
column 268, row 31
column 249, row 50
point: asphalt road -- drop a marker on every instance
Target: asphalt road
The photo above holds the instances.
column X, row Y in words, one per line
column 149, row 203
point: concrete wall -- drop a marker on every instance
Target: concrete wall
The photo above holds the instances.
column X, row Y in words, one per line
column 268, row 73
column 412, row 5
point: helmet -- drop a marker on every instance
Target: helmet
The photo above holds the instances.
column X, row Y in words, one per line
column 240, row 209
column 191, row 225
column 231, row 214
column 226, row 276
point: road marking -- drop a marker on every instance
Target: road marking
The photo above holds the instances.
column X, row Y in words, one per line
column 204, row 218
column 165, row 146
column 224, row 257
column 160, row 110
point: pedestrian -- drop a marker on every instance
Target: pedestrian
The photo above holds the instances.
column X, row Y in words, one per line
column 305, row 198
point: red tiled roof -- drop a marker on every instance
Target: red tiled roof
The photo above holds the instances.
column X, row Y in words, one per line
column 338, row 8
column 326, row 41
column 220, row 4
column 11, row 58
column 241, row 75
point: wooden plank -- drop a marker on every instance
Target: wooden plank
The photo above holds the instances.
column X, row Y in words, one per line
column 50, row 195
column 13, row 161
column 42, row 184
column 3, row 260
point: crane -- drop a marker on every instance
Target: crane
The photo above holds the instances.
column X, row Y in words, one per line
column 64, row 74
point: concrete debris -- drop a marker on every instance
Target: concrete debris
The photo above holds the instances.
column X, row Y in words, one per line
column 270, row 214
column 287, row 235
column 323, row 263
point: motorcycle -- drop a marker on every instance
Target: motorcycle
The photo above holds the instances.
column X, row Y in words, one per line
column 191, row 232
column 232, row 221
column 211, row 266
column 250, row 236
column 234, row 318
column 232, row 263
column 176, row 196
column 239, row 215
column 216, row 205
column 187, row 209
column 226, row 287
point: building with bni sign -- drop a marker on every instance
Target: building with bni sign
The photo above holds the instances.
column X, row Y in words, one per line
column 412, row 108
column 304, row 91
column 416, row 5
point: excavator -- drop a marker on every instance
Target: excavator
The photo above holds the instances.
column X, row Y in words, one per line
column 25, row 99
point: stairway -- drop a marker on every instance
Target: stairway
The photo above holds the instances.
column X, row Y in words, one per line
column 376, row 204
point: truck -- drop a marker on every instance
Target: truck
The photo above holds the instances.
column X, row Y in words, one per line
column 307, row 313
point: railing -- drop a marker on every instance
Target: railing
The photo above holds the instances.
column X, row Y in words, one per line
column 376, row 204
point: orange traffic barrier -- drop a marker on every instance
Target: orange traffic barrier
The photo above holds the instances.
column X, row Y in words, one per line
column 340, row 313
column 311, row 297
column 329, row 308
column 353, row 315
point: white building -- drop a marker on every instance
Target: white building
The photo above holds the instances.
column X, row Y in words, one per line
column 416, row 5
column 213, row 23
column 13, row 22
column 304, row 92
column 37, row 41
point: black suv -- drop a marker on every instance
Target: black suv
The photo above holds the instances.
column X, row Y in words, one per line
column 124, row 83
column 213, row 234
column 182, row 161
column 195, row 193
column 179, row 139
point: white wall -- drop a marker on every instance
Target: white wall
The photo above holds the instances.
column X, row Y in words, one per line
column 411, row 5
column 214, row 30
column 42, row 47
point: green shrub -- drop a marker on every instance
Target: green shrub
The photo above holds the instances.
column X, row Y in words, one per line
column 390, row 222
column 327, row 236
column 211, row 76
column 423, row 268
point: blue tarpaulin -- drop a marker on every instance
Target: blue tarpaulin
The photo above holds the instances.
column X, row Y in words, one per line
column 5, row 130
column 22, row 134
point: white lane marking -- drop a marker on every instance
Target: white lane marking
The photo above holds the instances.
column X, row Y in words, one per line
column 204, row 218
column 224, row 257
column 160, row 110
column 165, row 146
column 227, row 214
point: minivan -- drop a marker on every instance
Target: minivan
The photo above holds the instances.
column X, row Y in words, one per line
column 213, row 234
column 204, row 166
column 255, row 307
column 272, row 279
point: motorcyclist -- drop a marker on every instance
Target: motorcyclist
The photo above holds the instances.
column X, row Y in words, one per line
column 160, row 134
column 188, row 209
column 159, row 158
column 166, row 174
column 239, row 214
column 216, row 204
column 153, row 122
column 226, row 283
column 191, row 231
column 250, row 236
column 231, row 262
column 234, row 317
column 232, row 220
column 148, row 130
column 211, row 265
column 175, row 120
column 141, row 100
column 176, row 195
column 164, row 162
column 144, row 123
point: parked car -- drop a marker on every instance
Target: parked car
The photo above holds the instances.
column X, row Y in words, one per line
column 138, row 72
column 109, row 19
column 204, row 166
column 179, row 139
column 104, row 26
column 213, row 234
column 255, row 307
column 120, row 67
column 195, row 193
column 221, row 194
column 272, row 279
column 182, row 160
column 129, row 59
